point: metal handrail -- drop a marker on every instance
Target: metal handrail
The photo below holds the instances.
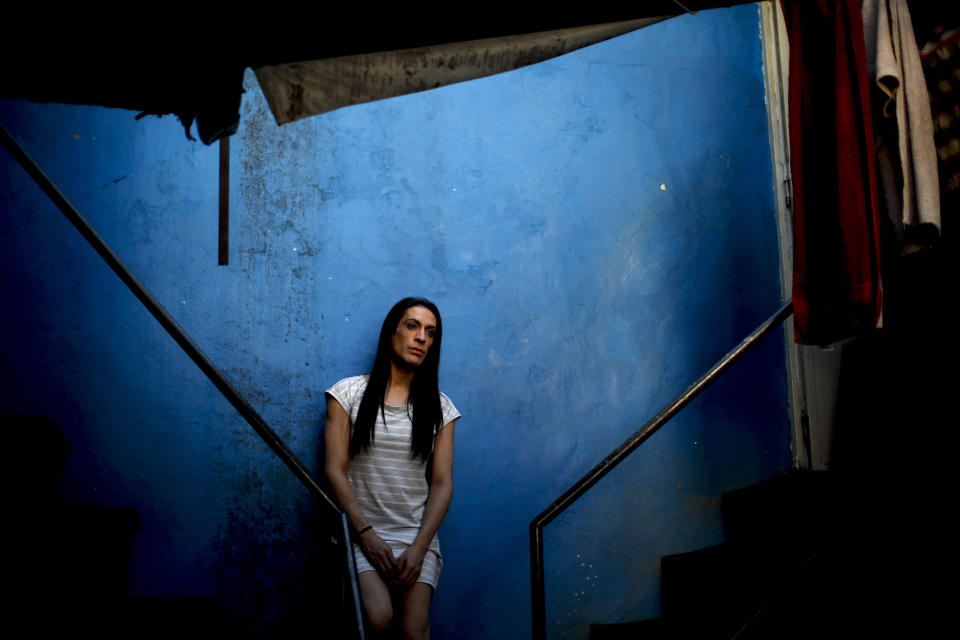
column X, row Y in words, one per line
column 538, row 597
column 244, row 408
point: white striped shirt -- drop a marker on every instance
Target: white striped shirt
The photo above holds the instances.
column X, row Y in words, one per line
column 391, row 488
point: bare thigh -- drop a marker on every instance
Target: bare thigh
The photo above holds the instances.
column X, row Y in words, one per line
column 416, row 611
column 377, row 603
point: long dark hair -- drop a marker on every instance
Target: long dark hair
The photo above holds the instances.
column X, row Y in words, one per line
column 424, row 404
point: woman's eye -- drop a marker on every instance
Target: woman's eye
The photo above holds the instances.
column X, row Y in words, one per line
column 411, row 326
column 430, row 332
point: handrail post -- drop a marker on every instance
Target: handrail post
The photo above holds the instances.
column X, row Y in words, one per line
column 351, row 568
column 538, row 596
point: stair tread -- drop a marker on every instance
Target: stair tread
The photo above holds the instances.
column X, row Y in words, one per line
column 650, row 629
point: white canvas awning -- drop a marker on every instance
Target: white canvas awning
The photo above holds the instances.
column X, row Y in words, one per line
column 302, row 89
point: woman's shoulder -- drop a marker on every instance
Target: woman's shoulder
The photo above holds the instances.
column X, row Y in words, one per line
column 348, row 390
column 448, row 410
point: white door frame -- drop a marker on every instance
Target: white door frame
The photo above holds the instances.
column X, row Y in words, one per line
column 813, row 371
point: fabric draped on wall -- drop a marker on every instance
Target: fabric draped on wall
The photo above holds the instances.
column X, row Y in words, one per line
column 904, row 126
column 836, row 265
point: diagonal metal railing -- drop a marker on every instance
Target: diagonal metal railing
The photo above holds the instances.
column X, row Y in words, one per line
column 157, row 310
column 537, row 586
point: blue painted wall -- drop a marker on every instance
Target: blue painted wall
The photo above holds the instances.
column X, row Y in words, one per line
column 596, row 229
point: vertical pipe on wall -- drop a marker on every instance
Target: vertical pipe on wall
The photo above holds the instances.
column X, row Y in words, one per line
column 223, row 250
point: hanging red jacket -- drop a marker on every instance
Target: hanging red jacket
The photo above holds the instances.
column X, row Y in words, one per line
column 836, row 257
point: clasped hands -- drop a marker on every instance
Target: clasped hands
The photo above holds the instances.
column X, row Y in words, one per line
column 397, row 573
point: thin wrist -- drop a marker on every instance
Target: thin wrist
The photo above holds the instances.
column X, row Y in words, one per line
column 420, row 546
column 364, row 530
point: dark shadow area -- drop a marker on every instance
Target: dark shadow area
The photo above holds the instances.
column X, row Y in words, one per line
column 857, row 551
column 69, row 563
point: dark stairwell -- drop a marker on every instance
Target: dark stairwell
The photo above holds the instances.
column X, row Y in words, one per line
column 861, row 550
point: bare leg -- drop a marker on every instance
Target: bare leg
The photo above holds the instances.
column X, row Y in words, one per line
column 416, row 611
column 376, row 601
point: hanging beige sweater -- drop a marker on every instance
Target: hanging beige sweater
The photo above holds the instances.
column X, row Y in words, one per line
column 893, row 62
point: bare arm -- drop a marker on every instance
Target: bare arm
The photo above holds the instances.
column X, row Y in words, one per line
column 438, row 502
column 337, row 438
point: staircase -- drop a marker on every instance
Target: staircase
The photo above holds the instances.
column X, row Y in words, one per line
column 781, row 552
column 68, row 561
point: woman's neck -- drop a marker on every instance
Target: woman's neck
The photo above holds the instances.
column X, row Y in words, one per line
column 398, row 386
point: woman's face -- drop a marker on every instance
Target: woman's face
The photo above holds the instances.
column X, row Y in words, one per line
column 414, row 335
